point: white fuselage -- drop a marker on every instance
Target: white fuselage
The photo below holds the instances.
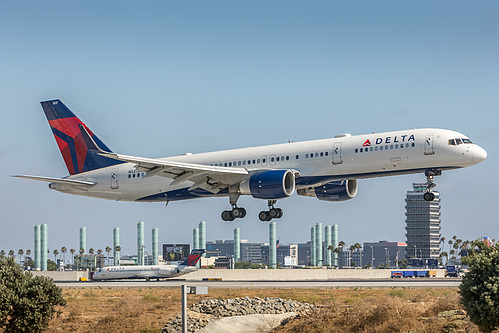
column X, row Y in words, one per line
column 142, row 272
column 317, row 162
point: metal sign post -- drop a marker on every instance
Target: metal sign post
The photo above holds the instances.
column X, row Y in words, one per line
column 189, row 290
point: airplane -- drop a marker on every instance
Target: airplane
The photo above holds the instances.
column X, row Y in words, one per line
column 326, row 169
column 150, row 271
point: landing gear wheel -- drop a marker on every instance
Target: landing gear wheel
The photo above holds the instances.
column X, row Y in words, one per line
column 264, row 216
column 429, row 196
column 280, row 213
column 241, row 212
column 274, row 213
column 227, row 216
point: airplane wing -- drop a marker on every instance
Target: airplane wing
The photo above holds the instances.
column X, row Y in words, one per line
column 211, row 178
column 56, row 180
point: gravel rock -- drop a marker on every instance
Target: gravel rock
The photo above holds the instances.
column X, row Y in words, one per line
column 201, row 313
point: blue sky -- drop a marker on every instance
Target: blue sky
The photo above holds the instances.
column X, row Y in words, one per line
column 164, row 78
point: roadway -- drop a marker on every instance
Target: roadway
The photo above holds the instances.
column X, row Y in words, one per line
column 381, row 283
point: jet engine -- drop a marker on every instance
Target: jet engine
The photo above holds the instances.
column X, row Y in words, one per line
column 269, row 185
column 334, row 191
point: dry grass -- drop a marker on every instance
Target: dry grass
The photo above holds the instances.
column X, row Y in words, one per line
column 339, row 310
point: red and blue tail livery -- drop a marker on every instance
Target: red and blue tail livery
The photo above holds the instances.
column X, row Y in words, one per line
column 67, row 133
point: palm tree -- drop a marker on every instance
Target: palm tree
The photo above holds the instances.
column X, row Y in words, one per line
column 63, row 251
column 442, row 240
column 2, row 253
column 72, row 251
column 351, row 248
column 82, row 250
column 99, row 251
column 358, row 247
column 118, row 250
column 20, row 253
column 11, row 254
column 91, row 251
column 108, row 250
column 450, row 244
column 56, row 252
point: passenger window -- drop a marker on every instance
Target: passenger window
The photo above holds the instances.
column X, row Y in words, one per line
column 312, row 155
column 407, row 145
column 361, row 150
column 239, row 163
column 287, row 158
column 322, row 154
column 254, row 161
column 397, row 146
column 282, row 158
column 271, row 159
column 306, row 155
column 316, row 154
column 226, row 164
column 356, row 150
column 371, row 149
column 230, row 163
column 129, row 176
column 297, row 156
column 326, row 153
column 263, row 160
column 401, row 145
column 277, row 158
column 244, row 162
column 381, row 148
column 413, row 144
column 376, row 148
column 386, row 147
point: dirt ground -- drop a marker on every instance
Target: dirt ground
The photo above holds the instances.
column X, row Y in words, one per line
column 341, row 310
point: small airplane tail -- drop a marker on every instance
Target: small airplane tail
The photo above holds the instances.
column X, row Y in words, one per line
column 66, row 128
column 193, row 258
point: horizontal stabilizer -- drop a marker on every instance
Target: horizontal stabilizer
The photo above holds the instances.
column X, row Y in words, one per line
column 57, row 180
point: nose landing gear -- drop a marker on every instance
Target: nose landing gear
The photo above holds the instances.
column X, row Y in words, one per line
column 429, row 195
column 272, row 213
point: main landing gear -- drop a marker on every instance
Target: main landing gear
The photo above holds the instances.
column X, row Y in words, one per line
column 272, row 213
column 429, row 195
column 236, row 212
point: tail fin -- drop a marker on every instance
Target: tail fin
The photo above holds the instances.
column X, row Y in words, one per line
column 193, row 258
column 67, row 133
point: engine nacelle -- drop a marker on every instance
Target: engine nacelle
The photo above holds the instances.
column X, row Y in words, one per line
column 334, row 191
column 269, row 185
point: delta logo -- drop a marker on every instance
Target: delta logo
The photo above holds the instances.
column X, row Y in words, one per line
column 390, row 139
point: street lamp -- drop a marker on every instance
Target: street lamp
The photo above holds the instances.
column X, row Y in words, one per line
column 386, row 256
column 372, row 257
column 415, row 256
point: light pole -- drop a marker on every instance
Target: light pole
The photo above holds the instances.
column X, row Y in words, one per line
column 372, row 257
column 386, row 256
column 415, row 255
column 397, row 259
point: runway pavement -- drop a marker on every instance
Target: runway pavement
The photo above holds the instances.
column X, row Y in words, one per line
column 385, row 283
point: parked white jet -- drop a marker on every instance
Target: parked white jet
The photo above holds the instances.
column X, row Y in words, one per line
column 150, row 271
column 325, row 169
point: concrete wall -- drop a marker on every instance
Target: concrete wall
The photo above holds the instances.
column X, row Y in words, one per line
column 63, row 276
column 293, row 274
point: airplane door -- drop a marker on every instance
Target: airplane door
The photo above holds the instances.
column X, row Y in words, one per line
column 337, row 153
column 428, row 145
column 114, row 179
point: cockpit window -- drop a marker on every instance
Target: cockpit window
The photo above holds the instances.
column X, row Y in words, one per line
column 455, row 142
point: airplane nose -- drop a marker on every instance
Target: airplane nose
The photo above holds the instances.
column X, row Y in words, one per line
column 479, row 154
